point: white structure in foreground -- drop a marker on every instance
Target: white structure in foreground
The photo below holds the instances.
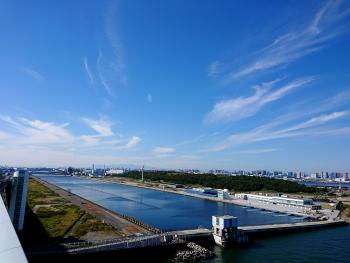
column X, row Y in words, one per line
column 224, row 228
column 10, row 248
column 17, row 206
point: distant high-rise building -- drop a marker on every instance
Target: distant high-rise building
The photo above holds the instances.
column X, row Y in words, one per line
column 314, row 175
column 298, row 175
column 324, row 175
column 18, row 199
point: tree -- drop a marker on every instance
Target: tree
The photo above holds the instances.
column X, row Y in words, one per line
column 339, row 205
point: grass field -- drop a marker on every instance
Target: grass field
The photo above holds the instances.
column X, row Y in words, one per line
column 58, row 217
column 90, row 224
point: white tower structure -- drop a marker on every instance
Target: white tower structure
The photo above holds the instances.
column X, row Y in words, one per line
column 224, row 229
column 142, row 173
column 18, row 199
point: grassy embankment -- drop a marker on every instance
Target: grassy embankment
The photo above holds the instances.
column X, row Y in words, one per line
column 58, row 217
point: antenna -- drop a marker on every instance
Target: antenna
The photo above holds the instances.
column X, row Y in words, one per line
column 142, row 173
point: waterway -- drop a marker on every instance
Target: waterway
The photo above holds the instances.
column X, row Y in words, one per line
column 173, row 211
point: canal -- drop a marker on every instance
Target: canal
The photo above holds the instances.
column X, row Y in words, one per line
column 173, row 212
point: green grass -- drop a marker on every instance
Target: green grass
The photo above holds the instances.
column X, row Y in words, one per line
column 56, row 215
column 90, row 224
column 38, row 194
column 58, row 219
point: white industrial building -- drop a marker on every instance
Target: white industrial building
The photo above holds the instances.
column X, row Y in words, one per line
column 279, row 200
column 114, row 171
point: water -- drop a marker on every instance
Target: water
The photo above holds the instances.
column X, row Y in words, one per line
column 173, row 211
column 162, row 209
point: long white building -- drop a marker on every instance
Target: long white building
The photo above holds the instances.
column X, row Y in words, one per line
column 277, row 200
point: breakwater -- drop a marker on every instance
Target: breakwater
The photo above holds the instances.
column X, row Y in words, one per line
column 141, row 224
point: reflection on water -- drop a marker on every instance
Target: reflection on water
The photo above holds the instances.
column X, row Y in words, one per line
column 161, row 209
column 173, row 211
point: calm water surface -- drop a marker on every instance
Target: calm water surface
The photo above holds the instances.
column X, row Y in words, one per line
column 174, row 211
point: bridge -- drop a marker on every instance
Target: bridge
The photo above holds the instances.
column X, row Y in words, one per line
column 289, row 226
column 260, row 229
column 192, row 233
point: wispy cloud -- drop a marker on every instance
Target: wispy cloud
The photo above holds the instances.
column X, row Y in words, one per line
column 88, row 71
column 324, row 26
column 33, row 74
column 102, row 126
column 270, row 132
column 243, row 107
column 110, row 60
column 111, row 31
column 163, row 150
column 149, row 98
column 214, row 69
column 101, row 70
column 39, row 132
column 133, row 142
column 257, row 151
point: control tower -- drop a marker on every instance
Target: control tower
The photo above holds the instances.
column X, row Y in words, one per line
column 225, row 231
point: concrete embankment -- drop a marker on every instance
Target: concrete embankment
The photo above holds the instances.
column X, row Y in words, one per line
column 127, row 225
column 213, row 199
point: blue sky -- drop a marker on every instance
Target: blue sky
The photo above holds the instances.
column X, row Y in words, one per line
column 176, row 84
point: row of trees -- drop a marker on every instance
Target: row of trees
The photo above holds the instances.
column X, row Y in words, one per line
column 233, row 183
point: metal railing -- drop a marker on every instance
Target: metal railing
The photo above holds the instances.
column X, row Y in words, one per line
column 105, row 245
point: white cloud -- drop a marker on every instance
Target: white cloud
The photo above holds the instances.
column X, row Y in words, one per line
column 163, row 150
column 39, row 132
column 316, row 121
column 33, row 74
column 5, row 136
column 149, row 98
column 243, row 107
column 257, row 151
column 101, row 69
column 295, row 45
column 112, row 35
column 269, row 132
column 88, row 71
column 90, row 140
column 101, row 126
column 133, row 142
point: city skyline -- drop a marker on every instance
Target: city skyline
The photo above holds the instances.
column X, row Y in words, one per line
column 225, row 87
